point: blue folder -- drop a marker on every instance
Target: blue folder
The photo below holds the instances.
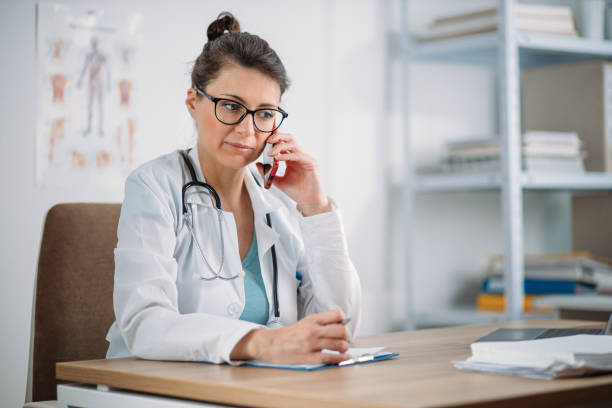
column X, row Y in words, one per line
column 539, row 286
column 311, row 367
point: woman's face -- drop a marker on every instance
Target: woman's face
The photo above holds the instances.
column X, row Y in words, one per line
column 233, row 146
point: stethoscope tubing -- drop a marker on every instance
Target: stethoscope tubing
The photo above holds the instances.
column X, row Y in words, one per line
column 217, row 200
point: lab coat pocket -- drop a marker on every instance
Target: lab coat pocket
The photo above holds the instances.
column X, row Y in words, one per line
column 201, row 254
column 214, row 297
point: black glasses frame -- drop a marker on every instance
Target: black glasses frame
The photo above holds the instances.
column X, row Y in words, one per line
column 247, row 111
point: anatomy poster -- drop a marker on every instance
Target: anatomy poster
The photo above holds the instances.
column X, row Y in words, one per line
column 87, row 119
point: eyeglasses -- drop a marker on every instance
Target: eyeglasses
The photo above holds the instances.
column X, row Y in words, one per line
column 230, row 112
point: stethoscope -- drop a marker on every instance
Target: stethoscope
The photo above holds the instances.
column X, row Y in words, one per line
column 275, row 322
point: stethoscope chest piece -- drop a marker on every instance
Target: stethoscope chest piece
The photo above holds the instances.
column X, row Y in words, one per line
column 274, row 324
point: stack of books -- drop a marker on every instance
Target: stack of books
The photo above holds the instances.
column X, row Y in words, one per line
column 548, row 358
column 532, row 18
column 541, row 151
column 551, row 274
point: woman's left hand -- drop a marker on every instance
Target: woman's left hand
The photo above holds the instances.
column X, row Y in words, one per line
column 302, row 180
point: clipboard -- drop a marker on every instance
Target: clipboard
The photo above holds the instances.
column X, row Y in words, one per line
column 360, row 356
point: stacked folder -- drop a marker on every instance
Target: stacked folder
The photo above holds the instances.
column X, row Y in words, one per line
column 551, row 274
column 532, row 18
column 541, row 151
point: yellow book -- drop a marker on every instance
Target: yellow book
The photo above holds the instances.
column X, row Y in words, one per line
column 491, row 302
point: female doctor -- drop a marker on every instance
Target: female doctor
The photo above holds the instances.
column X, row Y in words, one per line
column 267, row 275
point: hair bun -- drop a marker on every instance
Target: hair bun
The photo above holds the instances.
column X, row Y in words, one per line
column 225, row 22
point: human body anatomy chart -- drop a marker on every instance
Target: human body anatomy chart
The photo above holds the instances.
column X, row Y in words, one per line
column 87, row 121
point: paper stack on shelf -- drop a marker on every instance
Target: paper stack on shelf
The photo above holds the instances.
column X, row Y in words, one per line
column 541, row 151
column 604, row 286
column 546, row 19
column 550, row 274
column 549, row 358
column 576, row 266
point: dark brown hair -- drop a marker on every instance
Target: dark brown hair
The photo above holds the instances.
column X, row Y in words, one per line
column 227, row 45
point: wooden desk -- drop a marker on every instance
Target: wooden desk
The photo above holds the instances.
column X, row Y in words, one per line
column 422, row 376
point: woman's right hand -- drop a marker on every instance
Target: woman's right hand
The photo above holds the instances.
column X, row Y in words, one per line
column 299, row 343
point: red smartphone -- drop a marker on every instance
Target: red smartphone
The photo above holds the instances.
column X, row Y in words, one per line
column 270, row 165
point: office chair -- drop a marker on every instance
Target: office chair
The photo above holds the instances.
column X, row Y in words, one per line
column 74, row 291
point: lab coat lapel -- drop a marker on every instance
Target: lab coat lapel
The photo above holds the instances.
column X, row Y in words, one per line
column 263, row 203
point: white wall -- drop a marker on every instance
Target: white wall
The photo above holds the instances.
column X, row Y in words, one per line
column 332, row 52
column 345, row 108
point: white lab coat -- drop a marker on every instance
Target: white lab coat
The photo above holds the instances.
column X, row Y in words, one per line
column 164, row 311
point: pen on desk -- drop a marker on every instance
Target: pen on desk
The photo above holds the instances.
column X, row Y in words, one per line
column 347, row 362
column 360, row 359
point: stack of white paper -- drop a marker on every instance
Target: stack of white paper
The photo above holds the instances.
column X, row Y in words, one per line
column 557, row 357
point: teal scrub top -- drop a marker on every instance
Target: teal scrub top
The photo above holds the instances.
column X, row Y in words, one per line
column 256, row 307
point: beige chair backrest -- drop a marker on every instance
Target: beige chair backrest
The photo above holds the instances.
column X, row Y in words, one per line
column 74, row 289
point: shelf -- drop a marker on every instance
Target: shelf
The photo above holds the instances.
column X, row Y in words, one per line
column 570, row 182
column 473, row 48
column 534, row 49
column 506, row 53
column 565, row 45
column 456, row 182
column 529, row 181
column 465, row 316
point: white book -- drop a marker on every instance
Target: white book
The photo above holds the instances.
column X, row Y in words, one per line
column 551, row 137
column 566, row 273
column 536, row 143
column 548, row 164
column 568, row 267
column 588, row 348
column 581, row 259
column 530, row 164
column 545, row 11
column 548, row 149
column 540, row 150
column 539, row 19
column 492, row 141
column 543, row 358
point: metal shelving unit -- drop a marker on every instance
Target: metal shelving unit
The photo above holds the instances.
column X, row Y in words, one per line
column 510, row 51
column 588, row 182
column 534, row 49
